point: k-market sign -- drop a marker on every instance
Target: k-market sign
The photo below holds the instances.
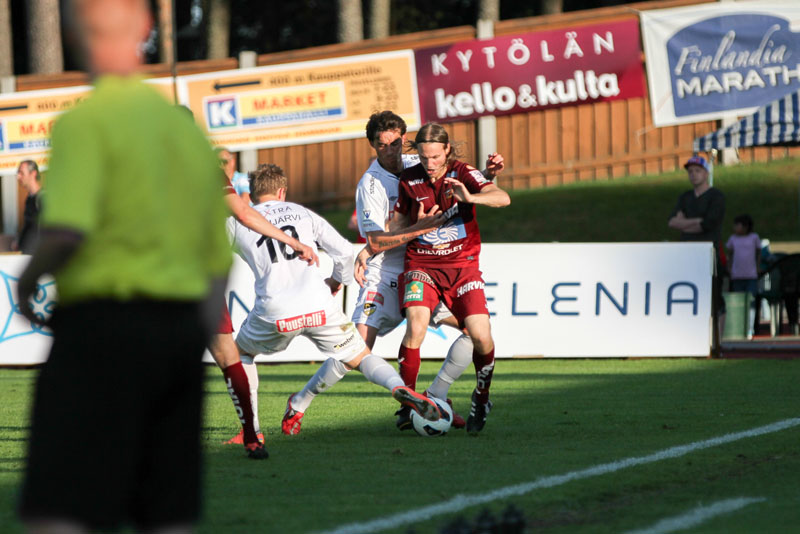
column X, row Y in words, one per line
column 705, row 62
column 531, row 71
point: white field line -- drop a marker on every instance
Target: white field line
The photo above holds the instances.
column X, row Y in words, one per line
column 461, row 502
column 697, row 516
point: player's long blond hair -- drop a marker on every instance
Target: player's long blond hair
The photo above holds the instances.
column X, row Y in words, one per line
column 433, row 132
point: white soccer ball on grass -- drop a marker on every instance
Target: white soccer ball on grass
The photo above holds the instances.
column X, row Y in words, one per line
column 426, row 428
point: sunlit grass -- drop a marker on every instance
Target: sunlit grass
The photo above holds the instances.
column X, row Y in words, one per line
column 551, row 417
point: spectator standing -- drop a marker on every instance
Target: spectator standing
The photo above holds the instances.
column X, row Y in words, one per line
column 239, row 180
column 698, row 216
column 115, row 435
column 744, row 252
column 29, row 178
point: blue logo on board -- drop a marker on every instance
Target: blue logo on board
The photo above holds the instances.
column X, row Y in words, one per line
column 731, row 62
column 221, row 113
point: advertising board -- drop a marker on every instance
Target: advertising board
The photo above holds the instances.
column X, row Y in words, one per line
column 531, row 71
column 721, row 59
column 546, row 300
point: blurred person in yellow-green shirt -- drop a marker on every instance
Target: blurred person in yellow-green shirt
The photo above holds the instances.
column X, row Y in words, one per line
column 133, row 233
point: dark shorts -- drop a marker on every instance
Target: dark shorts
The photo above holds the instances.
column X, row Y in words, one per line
column 460, row 289
column 115, row 435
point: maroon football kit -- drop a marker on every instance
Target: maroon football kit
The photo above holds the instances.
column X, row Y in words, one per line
column 443, row 263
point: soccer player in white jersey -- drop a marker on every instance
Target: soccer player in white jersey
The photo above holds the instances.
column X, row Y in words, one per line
column 293, row 299
column 377, row 310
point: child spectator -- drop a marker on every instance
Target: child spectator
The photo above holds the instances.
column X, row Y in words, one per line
column 744, row 248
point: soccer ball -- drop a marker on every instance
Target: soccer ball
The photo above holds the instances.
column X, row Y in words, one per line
column 426, row 428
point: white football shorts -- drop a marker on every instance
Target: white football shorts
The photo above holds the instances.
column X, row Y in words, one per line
column 378, row 304
column 337, row 338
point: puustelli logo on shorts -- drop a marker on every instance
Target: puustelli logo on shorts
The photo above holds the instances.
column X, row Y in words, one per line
column 413, row 291
column 308, row 320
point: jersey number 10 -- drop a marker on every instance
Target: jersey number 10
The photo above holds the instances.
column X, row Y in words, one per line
column 273, row 254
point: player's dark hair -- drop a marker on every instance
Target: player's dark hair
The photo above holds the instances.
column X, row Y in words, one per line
column 382, row 122
column 32, row 167
column 266, row 180
column 745, row 220
column 433, row 132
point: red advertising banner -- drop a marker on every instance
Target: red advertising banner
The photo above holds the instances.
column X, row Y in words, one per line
column 531, row 71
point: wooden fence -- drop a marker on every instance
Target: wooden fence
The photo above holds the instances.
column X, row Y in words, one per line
column 600, row 141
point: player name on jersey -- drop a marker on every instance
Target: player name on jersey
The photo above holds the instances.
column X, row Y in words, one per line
column 309, row 320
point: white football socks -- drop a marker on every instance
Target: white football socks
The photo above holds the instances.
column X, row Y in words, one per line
column 379, row 372
column 252, row 378
column 328, row 374
column 458, row 359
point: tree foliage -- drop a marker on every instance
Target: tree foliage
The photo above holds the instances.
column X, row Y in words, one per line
column 266, row 27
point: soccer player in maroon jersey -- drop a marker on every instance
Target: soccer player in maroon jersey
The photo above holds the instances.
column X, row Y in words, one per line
column 444, row 263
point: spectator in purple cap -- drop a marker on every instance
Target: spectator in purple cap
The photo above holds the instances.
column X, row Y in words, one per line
column 698, row 216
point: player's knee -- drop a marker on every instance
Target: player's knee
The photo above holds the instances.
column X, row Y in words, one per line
column 483, row 343
column 353, row 363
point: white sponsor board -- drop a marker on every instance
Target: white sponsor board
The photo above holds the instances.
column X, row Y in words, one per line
column 22, row 343
column 547, row 300
column 590, row 300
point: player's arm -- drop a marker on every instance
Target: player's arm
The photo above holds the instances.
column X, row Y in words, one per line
column 400, row 233
column 339, row 249
column 490, row 195
column 256, row 222
column 56, row 247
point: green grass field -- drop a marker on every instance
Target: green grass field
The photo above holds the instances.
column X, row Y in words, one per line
column 552, row 417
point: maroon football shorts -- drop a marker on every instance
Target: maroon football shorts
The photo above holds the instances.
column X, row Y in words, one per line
column 460, row 288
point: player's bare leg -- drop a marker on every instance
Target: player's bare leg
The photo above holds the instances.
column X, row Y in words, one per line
column 368, row 334
column 226, row 355
column 480, row 331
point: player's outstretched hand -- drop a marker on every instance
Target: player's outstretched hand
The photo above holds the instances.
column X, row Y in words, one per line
column 494, row 165
column 334, row 284
column 306, row 254
column 360, row 267
column 432, row 218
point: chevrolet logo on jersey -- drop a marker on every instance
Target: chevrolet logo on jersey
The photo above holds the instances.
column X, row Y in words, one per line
column 453, row 230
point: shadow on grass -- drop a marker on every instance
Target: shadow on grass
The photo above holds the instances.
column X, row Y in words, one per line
column 550, row 417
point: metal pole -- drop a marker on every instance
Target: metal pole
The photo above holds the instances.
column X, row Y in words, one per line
column 487, row 126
